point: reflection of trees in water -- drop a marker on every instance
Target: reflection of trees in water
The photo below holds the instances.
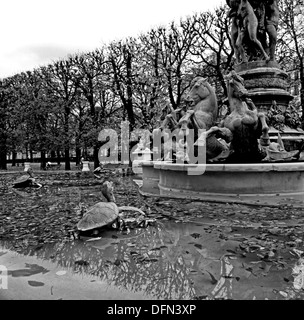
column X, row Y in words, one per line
column 151, row 269
column 148, row 260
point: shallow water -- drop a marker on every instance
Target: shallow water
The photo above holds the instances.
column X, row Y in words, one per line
column 178, row 261
column 193, row 258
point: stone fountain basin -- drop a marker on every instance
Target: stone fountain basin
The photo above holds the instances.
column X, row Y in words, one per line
column 274, row 184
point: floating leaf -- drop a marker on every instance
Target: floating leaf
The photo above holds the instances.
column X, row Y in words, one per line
column 35, row 283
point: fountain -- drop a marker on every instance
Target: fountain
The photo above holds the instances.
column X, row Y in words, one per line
column 246, row 159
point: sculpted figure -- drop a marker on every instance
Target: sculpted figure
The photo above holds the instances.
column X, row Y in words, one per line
column 217, row 142
column 234, row 31
column 259, row 11
column 245, row 123
column 272, row 21
column 168, row 117
column 248, row 25
column 203, row 106
column 169, row 121
column 202, row 115
column 251, row 22
column 171, row 117
column 238, row 99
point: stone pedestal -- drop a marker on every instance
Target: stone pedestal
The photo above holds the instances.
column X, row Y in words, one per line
column 85, row 167
column 265, row 83
column 27, row 165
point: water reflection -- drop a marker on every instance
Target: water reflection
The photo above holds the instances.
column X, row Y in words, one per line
column 173, row 261
column 158, row 260
column 223, row 289
column 168, row 261
column 298, row 273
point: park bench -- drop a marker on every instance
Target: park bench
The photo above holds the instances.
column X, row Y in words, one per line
column 52, row 165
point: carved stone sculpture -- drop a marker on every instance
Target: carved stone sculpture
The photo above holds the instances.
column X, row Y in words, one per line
column 272, row 21
column 234, row 31
column 245, row 123
column 201, row 114
column 248, row 26
column 170, row 117
column 203, row 106
column 251, row 22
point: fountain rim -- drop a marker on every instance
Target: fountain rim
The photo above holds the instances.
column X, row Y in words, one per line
column 158, row 175
column 228, row 167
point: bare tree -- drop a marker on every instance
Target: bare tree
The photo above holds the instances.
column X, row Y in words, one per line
column 3, row 125
column 59, row 78
column 91, row 77
column 121, row 55
column 172, row 49
column 212, row 50
column 291, row 40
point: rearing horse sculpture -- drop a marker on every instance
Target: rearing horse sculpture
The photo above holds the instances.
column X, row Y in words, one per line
column 202, row 115
column 245, row 122
column 203, row 106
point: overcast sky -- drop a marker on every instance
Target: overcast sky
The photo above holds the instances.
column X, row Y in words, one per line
column 37, row 32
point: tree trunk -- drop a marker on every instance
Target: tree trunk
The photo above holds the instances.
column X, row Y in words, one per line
column 67, row 112
column 3, row 133
column 95, row 155
column 78, row 155
column 67, row 159
column 14, row 158
column 3, row 162
column 43, row 160
column 129, row 105
column 26, row 153
column 302, row 89
column 58, row 156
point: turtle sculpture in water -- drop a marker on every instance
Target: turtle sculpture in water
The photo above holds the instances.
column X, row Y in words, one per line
column 26, row 180
column 105, row 213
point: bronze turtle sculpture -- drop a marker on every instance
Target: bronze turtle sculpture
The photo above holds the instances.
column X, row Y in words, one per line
column 26, row 180
column 105, row 213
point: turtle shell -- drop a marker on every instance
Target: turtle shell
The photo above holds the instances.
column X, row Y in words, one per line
column 100, row 215
column 22, row 181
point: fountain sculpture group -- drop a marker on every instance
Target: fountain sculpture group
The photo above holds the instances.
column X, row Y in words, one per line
column 245, row 160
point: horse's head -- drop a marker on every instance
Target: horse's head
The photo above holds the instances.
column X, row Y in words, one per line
column 235, row 84
column 199, row 90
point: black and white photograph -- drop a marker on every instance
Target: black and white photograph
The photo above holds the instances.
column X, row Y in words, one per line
column 152, row 153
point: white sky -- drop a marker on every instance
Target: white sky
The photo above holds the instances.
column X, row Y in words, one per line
column 37, row 32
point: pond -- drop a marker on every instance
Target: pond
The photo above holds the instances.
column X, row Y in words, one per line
column 195, row 250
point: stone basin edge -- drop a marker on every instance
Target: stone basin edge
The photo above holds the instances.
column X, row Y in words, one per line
column 251, row 167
